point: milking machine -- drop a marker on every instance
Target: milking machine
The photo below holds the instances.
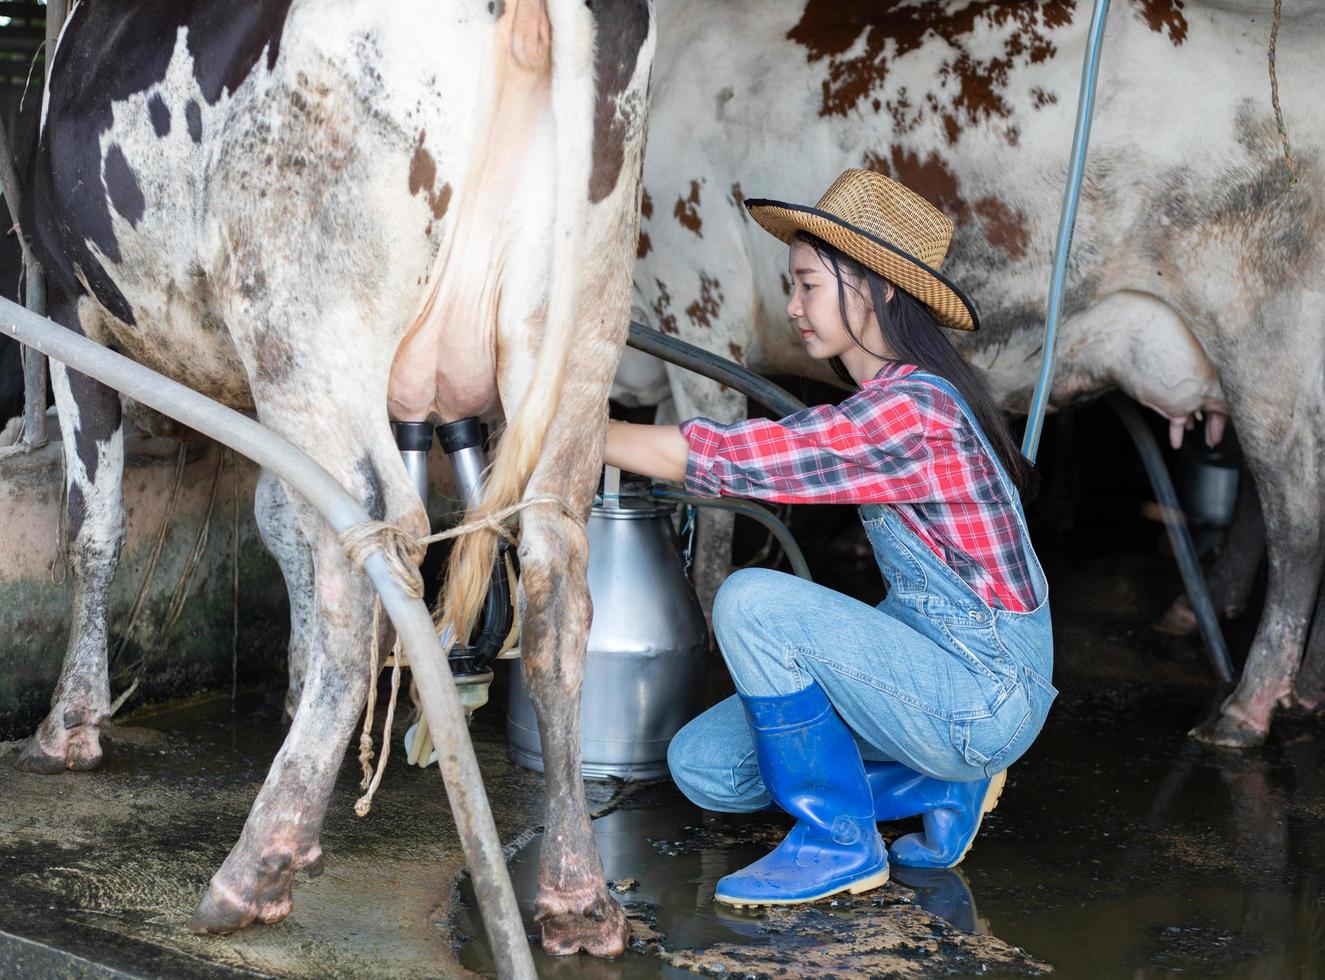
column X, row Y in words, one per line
column 1207, row 482
column 470, row 663
column 645, row 668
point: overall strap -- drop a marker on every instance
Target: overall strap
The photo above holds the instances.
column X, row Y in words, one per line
column 946, row 386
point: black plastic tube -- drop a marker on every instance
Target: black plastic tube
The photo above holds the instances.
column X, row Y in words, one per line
column 700, row 361
column 753, row 511
column 1176, row 526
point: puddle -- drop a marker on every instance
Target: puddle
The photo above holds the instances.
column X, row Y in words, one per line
column 664, row 857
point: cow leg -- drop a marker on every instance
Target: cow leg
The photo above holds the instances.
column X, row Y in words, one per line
column 69, row 737
column 574, row 907
column 693, row 396
column 1309, row 688
column 1234, row 570
column 278, row 523
column 1281, row 437
column 353, row 443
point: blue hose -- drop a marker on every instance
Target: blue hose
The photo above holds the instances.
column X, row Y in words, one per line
column 1030, row 445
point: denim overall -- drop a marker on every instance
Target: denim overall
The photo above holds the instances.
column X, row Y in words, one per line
column 933, row 677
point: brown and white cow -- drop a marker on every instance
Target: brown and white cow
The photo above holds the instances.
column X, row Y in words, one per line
column 1197, row 280
column 334, row 213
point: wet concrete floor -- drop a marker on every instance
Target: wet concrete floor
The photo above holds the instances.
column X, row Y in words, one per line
column 100, row 872
column 1120, row 847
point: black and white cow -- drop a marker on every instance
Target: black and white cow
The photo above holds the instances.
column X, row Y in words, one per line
column 1197, row 281
column 335, row 213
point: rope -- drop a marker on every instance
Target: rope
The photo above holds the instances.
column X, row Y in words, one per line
column 1274, row 98
column 365, row 802
column 494, row 521
column 400, row 550
column 181, row 593
column 150, row 571
column 403, row 553
column 366, row 736
column 179, row 597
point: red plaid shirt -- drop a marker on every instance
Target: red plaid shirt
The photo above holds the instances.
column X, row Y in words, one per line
column 904, row 444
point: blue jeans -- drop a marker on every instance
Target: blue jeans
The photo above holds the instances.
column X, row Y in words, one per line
column 906, row 697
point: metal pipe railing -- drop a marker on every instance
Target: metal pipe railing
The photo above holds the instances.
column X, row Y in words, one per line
column 441, row 706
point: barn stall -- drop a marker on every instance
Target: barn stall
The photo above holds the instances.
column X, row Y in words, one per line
column 1146, row 852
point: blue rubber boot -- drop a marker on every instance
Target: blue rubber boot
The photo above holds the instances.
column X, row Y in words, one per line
column 810, row 765
column 952, row 812
column 897, row 790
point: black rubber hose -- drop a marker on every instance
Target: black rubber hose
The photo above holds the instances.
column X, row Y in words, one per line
column 755, row 512
column 700, row 361
column 498, row 615
column 1176, row 525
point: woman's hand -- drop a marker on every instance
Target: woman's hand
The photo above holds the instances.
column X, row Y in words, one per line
column 657, row 451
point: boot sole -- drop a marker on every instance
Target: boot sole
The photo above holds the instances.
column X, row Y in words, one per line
column 876, row 880
column 990, row 803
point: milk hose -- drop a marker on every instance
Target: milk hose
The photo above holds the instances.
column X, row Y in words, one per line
column 750, row 385
column 1183, row 548
column 751, row 510
column 1176, row 525
column 1067, row 219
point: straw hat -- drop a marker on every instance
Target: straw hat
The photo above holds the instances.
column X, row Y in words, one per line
column 885, row 226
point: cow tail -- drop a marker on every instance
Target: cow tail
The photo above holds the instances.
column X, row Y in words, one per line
column 521, row 444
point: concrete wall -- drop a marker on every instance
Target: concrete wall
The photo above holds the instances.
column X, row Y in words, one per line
column 195, row 655
column 35, row 592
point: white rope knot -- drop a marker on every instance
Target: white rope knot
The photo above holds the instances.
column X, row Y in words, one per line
column 401, row 551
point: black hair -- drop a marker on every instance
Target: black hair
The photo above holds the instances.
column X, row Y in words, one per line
column 911, row 333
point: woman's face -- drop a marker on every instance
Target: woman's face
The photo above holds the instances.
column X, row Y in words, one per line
column 817, row 313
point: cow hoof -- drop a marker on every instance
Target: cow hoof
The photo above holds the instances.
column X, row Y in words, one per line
column 260, row 894
column 1178, row 619
column 602, row 932
column 1227, row 732
column 77, row 749
column 220, row 913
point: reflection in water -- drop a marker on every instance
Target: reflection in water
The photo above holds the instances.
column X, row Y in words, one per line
column 944, row 892
column 1121, row 849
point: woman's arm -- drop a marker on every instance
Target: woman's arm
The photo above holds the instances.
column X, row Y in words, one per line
column 658, row 451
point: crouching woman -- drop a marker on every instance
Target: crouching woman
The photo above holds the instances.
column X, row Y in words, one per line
column 847, row 713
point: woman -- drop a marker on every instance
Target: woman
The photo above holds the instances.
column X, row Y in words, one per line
column 848, row 713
